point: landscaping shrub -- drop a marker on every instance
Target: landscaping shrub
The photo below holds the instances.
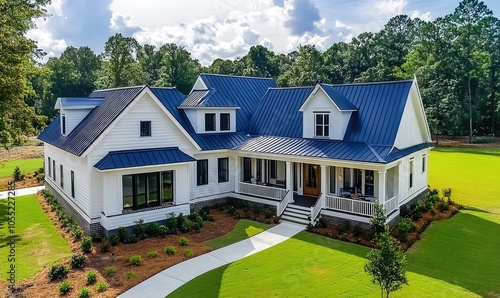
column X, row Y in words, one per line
column 446, row 192
column 57, row 272
column 84, row 293
column 122, row 234
column 132, row 238
column 344, row 226
column 64, row 287
column 152, row 254
column 443, row 206
column 183, row 241
column 170, row 250
column 101, row 286
column 428, row 206
column 106, row 244
column 230, row 210
column 135, row 260
column 181, row 219
column 186, row 226
column 415, row 212
column 404, row 227
column 140, row 230
column 110, row 270
column 153, row 229
column 171, row 224
column 114, row 239
column 77, row 261
column 91, row 277
column 130, row 275
column 433, row 199
column 322, row 223
column 96, row 237
column 434, row 192
column 309, row 227
column 162, row 231
column 40, row 177
column 86, row 244
column 194, row 226
column 17, row 175
column 188, row 253
column 76, row 231
column 357, row 230
column 377, row 222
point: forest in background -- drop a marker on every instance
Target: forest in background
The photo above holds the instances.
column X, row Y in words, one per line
column 455, row 58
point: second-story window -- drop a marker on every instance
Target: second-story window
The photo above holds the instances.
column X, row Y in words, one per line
column 145, row 128
column 225, row 121
column 321, row 124
column 63, row 124
column 209, row 122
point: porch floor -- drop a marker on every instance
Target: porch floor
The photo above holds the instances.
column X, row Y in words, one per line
column 304, row 201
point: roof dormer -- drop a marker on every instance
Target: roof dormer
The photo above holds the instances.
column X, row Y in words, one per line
column 72, row 110
column 326, row 113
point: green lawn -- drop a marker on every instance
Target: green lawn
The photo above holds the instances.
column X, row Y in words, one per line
column 472, row 173
column 26, row 166
column 38, row 243
column 244, row 229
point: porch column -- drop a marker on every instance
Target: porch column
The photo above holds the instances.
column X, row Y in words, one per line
column 381, row 187
column 289, row 182
column 323, row 180
column 237, row 172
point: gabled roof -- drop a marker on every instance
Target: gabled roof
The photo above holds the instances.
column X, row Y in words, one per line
column 339, row 99
column 277, row 114
column 69, row 103
column 142, row 157
column 94, row 124
column 205, row 98
column 245, row 92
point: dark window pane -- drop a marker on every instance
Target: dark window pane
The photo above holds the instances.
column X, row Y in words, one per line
column 225, row 121
column 326, row 119
column 141, row 190
column 209, row 122
column 145, row 128
column 127, row 192
column 153, row 198
column 223, row 168
column 333, row 178
column 274, row 170
column 247, row 169
column 202, row 172
column 168, row 186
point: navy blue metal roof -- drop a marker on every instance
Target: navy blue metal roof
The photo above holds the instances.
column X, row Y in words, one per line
column 206, row 98
column 340, row 100
column 94, row 124
column 278, row 113
column 141, row 158
column 245, row 92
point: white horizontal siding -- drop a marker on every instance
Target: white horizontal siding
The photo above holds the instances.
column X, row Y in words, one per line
column 420, row 179
column 213, row 187
column 73, row 117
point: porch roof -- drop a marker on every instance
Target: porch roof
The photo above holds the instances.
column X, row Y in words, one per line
column 142, row 157
column 352, row 151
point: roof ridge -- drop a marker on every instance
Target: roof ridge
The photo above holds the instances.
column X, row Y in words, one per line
column 163, row 87
column 142, row 149
column 120, row 88
column 369, row 83
column 235, row 76
column 293, row 87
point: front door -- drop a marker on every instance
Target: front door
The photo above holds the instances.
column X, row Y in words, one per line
column 312, row 180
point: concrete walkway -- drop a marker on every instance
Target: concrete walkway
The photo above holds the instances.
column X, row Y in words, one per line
column 22, row 191
column 172, row 278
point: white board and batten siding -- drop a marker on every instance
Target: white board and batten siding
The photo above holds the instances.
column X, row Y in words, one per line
column 124, row 134
column 70, row 163
column 213, row 187
column 338, row 120
column 420, row 181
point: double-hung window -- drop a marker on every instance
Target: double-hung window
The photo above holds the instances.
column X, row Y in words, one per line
column 145, row 128
column 209, row 122
column 321, row 124
column 225, row 120
column 223, row 169
column 202, row 172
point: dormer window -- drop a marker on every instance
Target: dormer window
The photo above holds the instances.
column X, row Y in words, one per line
column 210, row 122
column 145, row 128
column 63, row 124
column 225, row 121
column 321, row 124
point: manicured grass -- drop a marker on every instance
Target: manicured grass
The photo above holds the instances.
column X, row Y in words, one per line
column 25, row 165
column 472, row 173
column 308, row 266
column 244, row 229
column 38, row 243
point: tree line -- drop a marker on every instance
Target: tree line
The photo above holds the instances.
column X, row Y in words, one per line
column 455, row 59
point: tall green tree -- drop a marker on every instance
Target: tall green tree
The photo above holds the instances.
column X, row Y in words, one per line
column 177, row 67
column 86, row 64
column 261, row 62
column 17, row 120
column 150, row 60
column 305, row 70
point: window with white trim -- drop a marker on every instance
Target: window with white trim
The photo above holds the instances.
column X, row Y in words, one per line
column 225, row 121
column 209, row 122
column 321, row 124
column 145, row 128
column 411, row 173
column 424, row 160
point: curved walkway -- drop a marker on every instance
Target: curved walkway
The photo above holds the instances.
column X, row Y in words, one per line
column 165, row 282
column 22, row 191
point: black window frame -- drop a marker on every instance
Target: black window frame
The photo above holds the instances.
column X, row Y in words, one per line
column 145, row 128
column 72, row 184
column 54, row 176
column 209, row 121
column 273, row 169
column 63, row 124
column 147, row 189
column 247, row 169
column 333, row 180
column 225, row 121
column 50, row 168
column 322, row 128
column 223, row 169
column 424, row 159
column 61, row 169
column 202, row 172
column 369, row 182
column 411, row 173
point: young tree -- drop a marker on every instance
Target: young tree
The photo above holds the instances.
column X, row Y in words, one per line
column 386, row 264
column 377, row 222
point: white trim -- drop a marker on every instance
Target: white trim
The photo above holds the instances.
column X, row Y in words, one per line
column 313, row 93
column 144, row 167
column 209, row 108
column 422, row 109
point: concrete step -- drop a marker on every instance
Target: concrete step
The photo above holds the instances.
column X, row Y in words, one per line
column 295, row 220
column 292, row 206
column 298, row 211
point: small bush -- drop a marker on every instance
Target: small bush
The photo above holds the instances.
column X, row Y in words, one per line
column 110, row 270
column 114, row 239
column 153, row 229
column 84, row 293
column 162, row 231
column 415, row 212
column 434, row 192
column 40, row 177
column 17, row 175
column 427, row 206
column 130, row 275
column 101, row 286
column 170, row 250
column 230, row 210
column 344, row 226
column 309, row 227
column 183, row 241
column 86, row 245
column 106, row 245
column 57, row 272
column 96, row 237
column 132, row 238
column 140, row 231
column 76, row 231
column 122, row 234
column 188, row 253
column 180, row 221
column 77, row 261
column 404, row 227
column 443, row 206
column 64, row 287
column 135, row 260
column 322, row 222
column 91, row 277
column 171, row 224
column 446, row 192
column 433, row 199
column 357, row 230
column 186, row 226
column 152, row 254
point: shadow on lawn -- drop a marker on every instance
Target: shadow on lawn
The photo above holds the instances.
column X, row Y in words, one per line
column 5, row 238
column 462, row 251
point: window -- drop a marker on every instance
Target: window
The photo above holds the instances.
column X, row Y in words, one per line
column 147, row 189
column 145, row 128
column 62, row 175
column 50, row 169
column 54, row 169
column 223, row 168
column 63, row 124
column 424, row 159
column 225, row 121
column 333, row 178
column 358, row 180
column 247, row 169
column 322, row 124
column 411, row 173
column 259, row 170
column 202, row 172
column 347, row 178
column 369, row 181
column 209, row 122
column 274, row 169
column 72, row 184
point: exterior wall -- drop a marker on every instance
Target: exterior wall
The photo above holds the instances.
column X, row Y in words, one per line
column 420, row 179
column 197, row 118
column 73, row 117
column 213, row 187
column 338, row 120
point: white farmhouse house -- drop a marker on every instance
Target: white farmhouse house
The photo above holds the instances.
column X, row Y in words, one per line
column 326, row 150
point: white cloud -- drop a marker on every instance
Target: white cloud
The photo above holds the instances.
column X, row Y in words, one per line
column 53, row 47
column 423, row 16
column 389, row 8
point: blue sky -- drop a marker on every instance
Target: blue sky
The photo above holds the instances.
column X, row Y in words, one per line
column 224, row 28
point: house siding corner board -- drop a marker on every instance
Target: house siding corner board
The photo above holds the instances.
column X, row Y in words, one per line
column 214, row 187
column 70, row 163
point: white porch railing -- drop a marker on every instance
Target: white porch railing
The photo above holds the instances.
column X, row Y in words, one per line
column 283, row 203
column 316, row 209
column 350, row 205
column 391, row 204
column 267, row 192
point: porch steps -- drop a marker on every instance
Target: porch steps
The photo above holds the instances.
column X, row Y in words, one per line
column 296, row 214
